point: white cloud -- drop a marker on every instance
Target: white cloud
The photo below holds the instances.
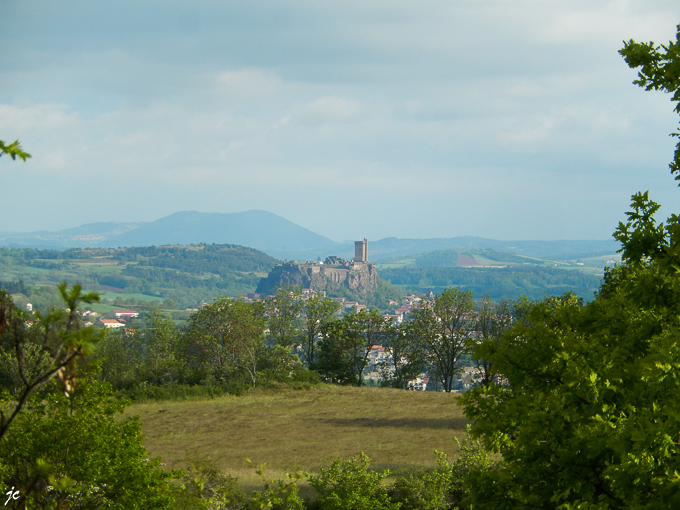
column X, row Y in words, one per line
column 405, row 104
column 18, row 120
column 249, row 83
column 331, row 109
column 607, row 23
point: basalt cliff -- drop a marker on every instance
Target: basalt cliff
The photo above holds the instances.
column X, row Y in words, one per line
column 336, row 276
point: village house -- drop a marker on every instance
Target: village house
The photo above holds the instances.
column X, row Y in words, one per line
column 125, row 314
column 110, row 323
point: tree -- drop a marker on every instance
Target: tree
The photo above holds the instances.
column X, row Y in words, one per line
column 120, row 356
column 407, row 355
column 659, row 70
column 589, row 416
column 57, row 334
column 72, row 452
column 493, row 320
column 444, row 325
column 316, row 312
column 226, row 335
column 284, row 316
column 160, row 338
column 346, row 344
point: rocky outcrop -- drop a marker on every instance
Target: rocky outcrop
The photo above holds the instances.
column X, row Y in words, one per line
column 359, row 279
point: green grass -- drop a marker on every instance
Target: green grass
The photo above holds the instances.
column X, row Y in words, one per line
column 105, row 294
column 303, row 430
column 397, row 263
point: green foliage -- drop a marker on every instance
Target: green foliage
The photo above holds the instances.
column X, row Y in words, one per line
column 277, row 495
column 473, row 460
column 160, row 346
column 56, row 334
column 643, row 240
column 444, row 326
column 316, row 313
column 284, row 319
column 351, row 485
column 346, row 343
column 13, row 150
column 203, row 487
column 224, row 336
column 408, row 356
column 121, row 357
column 72, row 452
column 13, row 373
column 587, row 416
column 190, row 274
column 428, row 491
column 493, row 320
column 658, row 70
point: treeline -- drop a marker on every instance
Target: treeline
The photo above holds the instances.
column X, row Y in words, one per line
column 232, row 345
column 512, row 282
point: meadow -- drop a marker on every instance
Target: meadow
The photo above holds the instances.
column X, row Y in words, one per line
column 305, row 430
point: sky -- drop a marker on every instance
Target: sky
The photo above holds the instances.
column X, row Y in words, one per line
column 505, row 119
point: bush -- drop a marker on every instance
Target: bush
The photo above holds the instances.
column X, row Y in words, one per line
column 72, row 452
column 203, row 487
column 429, row 491
column 350, row 485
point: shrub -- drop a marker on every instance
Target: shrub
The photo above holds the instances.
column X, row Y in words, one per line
column 428, row 491
column 350, row 485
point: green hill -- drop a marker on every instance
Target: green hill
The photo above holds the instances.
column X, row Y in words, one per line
column 186, row 275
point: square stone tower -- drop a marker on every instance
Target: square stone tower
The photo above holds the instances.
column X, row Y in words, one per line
column 361, row 251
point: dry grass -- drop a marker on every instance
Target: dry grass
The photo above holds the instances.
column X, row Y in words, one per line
column 303, row 430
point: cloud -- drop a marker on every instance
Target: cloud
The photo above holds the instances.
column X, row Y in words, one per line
column 607, row 23
column 331, row 109
column 248, row 83
column 305, row 106
column 19, row 120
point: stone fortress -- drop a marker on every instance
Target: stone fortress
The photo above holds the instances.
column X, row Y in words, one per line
column 359, row 277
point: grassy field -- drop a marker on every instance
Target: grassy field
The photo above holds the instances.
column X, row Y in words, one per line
column 304, row 430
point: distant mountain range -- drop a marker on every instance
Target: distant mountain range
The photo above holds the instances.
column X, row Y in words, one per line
column 279, row 238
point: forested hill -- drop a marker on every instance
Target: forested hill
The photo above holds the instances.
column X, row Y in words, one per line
column 187, row 274
column 211, row 258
